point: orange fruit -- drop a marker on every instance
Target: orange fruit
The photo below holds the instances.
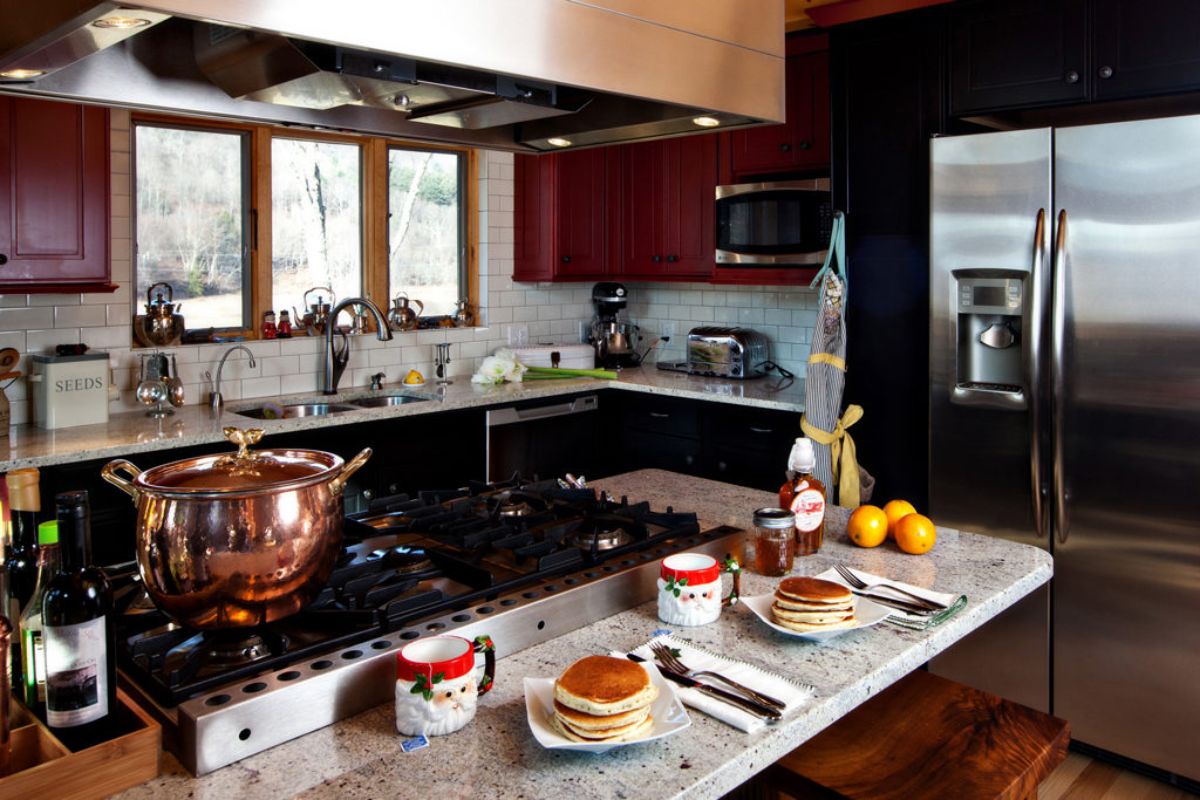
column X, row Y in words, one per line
column 867, row 526
column 915, row 534
column 896, row 510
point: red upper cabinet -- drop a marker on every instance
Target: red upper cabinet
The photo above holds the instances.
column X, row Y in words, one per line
column 803, row 141
column 562, row 224
column 667, row 194
column 54, row 197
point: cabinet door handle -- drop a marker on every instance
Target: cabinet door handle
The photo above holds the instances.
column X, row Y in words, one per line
column 566, row 259
column 761, row 430
column 1105, row 72
column 672, row 259
column 3, row 259
column 689, row 460
column 722, row 466
column 785, row 148
column 656, row 259
column 1072, row 76
column 659, row 415
column 805, row 146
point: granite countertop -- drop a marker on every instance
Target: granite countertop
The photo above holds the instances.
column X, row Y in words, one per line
column 497, row 757
column 125, row 434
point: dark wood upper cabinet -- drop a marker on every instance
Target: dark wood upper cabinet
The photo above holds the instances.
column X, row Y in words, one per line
column 54, row 197
column 802, row 142
column 668, row 189
column 1146, row 47
column 562, row 226
column 1017, row 54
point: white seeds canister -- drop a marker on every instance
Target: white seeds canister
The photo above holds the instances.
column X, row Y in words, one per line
column 69, row 390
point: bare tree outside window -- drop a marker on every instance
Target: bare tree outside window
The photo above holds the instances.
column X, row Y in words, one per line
column 316, row 220
column 425, row 228
column 191, row 207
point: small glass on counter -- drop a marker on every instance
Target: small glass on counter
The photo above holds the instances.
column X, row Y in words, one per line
column 774, row 541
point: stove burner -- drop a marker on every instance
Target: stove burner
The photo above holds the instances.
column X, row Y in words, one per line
column 406, row 560
column 601, row 540
column 232, row 648
column 519, row 509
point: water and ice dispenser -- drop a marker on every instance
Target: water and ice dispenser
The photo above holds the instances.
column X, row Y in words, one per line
column 990, row 337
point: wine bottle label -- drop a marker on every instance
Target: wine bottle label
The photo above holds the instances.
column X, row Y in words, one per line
column 76, row 673
column 34, row 655
column 809, row 507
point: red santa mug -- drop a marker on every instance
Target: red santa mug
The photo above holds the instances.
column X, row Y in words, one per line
column 438, row 683
column 689, row 588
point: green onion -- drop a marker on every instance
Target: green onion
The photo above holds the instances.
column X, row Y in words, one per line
column 542, row 373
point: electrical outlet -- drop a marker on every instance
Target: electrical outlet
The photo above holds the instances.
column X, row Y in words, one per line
column 518, row 335
column 668, row 331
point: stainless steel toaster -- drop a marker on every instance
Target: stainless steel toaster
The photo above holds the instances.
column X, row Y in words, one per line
column 727, row 352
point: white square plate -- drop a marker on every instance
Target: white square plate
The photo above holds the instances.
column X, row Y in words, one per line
column 670, row 717
column 866, row 612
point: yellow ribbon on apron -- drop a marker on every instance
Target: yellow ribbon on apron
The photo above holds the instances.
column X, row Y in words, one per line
column 842, row 454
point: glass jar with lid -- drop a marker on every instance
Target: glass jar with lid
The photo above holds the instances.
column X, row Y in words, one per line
column 774, row 541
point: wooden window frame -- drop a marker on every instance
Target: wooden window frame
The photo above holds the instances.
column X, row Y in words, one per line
column 374, row 209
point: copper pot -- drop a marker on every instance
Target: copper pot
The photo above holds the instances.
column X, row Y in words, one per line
column 236, row 540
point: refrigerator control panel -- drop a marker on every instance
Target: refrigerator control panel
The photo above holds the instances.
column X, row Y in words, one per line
column 990, row 296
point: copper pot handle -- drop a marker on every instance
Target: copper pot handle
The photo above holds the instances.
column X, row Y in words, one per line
column 109, row 473
column 338, row 484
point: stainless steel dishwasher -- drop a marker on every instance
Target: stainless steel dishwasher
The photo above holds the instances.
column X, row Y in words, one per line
column 544, row 439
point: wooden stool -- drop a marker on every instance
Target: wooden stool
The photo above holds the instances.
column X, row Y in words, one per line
column 927, row 737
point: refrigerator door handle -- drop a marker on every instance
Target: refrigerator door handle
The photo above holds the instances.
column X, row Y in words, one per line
column 1033, row 367
column 1062, row 520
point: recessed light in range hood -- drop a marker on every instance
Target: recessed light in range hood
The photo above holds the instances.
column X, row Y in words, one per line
column 513, row 75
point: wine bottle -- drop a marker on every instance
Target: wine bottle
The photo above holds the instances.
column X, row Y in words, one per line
column 33, row 673
column 78, row 635
column 24, row 504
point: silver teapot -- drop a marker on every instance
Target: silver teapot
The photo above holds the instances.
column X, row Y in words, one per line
column 402, row 316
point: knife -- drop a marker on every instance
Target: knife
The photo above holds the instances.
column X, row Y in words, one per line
column 899, row 605
column 770, row 715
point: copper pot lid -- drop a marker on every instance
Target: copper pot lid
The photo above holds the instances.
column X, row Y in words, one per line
column 241, row 472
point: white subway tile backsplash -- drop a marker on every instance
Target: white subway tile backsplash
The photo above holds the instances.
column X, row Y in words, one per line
column 26, row 318
column 44, row 341
column 79, row 316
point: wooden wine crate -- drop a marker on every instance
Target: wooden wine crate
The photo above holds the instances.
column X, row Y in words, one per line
column 43, row 767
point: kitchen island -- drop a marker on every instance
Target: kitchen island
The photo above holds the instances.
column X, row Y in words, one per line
column 496, row 755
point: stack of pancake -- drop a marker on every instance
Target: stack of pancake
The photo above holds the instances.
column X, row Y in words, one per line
column 811, row 604
column 603, row 699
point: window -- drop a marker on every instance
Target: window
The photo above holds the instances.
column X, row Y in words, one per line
column 426, row 227
column 341, row 213
column 192, row 214
column 316, row 221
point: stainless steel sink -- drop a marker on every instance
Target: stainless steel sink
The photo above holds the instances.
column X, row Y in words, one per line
column 296, row 410
column 383, row 401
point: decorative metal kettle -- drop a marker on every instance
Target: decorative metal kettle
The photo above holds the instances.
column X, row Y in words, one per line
column 162, row 324
column 462, row 314
column 316, row 315
column 402, row 316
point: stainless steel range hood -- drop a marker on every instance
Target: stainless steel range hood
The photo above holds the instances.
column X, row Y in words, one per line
column 525, row 75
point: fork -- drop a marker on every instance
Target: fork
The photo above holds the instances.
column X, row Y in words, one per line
column 671, row 662
column 861, row 585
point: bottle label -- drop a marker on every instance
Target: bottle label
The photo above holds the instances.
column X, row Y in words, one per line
column 76, row 673
column 34, row 655
column 809, row 507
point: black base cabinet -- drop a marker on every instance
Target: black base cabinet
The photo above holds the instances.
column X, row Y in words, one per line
column 722, row 441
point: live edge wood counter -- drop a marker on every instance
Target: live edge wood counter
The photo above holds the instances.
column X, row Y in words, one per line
column 497, row 757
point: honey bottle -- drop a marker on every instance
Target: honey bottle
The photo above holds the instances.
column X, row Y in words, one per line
column 804, row 496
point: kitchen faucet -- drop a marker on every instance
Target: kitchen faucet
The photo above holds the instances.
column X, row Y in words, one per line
column 336, row 360
column 215, row 401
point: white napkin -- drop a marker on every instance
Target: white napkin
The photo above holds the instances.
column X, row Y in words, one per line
column 953, row 602
column 793, row 695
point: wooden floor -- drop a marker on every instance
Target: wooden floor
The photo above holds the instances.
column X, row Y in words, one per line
column 1083, row 778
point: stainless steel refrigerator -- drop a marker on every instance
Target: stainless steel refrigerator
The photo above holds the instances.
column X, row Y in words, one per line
column 1065, row 413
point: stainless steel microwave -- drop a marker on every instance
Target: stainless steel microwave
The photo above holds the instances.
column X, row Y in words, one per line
column 774, row 224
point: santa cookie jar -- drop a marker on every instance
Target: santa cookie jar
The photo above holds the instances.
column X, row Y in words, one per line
column 438, row 683
column 689, row 588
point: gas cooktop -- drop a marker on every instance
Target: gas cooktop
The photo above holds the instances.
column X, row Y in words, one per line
column 404, row 559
